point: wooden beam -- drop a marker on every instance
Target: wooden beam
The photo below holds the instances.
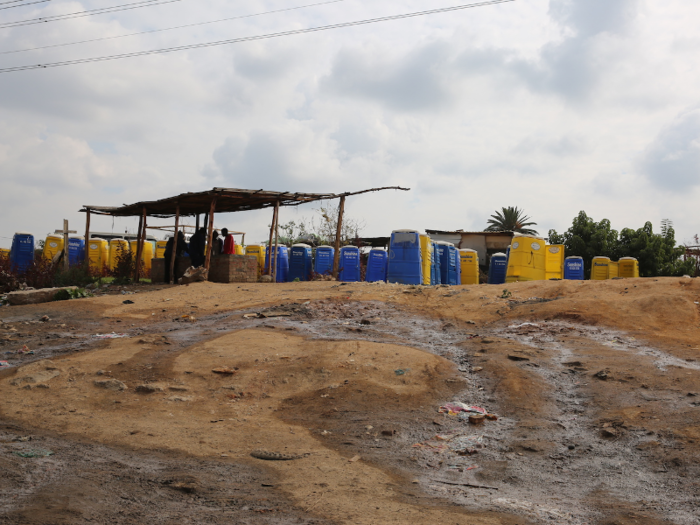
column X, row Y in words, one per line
column 139, row 246
column 338, row 231
column 66, row 262
column 277, row 238
column 87, row 239
column 172, row 255
column 269, row 243
column 210, row 234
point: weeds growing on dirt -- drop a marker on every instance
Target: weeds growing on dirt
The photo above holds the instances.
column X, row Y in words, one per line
column 42, row 273
column 124, row 267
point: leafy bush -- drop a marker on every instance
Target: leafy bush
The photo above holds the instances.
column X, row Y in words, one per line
column 123, row 271
column 81, row 276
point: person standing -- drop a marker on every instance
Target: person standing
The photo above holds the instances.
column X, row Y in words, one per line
column 169, row 252
column 196, row 249
column 229, row 243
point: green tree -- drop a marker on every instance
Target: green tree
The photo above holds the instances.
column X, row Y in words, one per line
column 510, row 219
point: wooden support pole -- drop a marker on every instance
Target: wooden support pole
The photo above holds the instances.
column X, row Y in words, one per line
column 139, row 245
column 338, row 231
column 87, row 238
column 66, row 262
column 172, row 255
column 210, row 234
column 197, row 223
column 277, row 238
column 269, row 244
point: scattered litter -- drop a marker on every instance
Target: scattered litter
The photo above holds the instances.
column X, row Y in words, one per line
column 455, row 408
column 251, row 316
column 225, row 370
column 45, row 318
column 128, row 301
column 454, row 441
column 25, row 350
column 353, row 459
column 4, row 364
column 401, row 371
column 34, row 453
column 110, row 336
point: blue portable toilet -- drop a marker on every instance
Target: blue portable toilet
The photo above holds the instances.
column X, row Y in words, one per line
column 435, row 266
column 349, row 265
column 377, row 265
column 300, row 262
column 282, row 259
column 22, row 251
column 458, row 275
column 405, row 261
column 323, row 264
column 497, row 268
column 76, row 250
column 448, row 262
column 573, row 268
column 453, row 265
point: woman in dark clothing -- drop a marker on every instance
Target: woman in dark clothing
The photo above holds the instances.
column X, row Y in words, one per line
column 197, row 244
column 181, row 245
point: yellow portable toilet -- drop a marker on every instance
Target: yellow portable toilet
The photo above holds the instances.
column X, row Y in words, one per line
column 52, row 246
column 98, row 255
column 426, row 253
column 613, row 270
column 555, row 261
column 469, row 264
column 259, row 251
column 160, row 249
column 239, row 249
column 629, row 267
column 600, row 268
column 146, row 256
column 116, row 248
column 5, row 252
column 527, row 259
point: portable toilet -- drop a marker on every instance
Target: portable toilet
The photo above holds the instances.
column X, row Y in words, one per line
column 146, row 256
column 405, row 262
column 527, row 260
column 377, row 263
column 300, row 262
column 4, row 253
column 22, row 251
column 600, row 268
column 323, row 264
column 458, row 267
column 53, row 245
column 435, row 277
column 282, row 263
column 469, row 264
column 116, row 248
column 555, row 261
column 613, row 270
column 629, row 267
column 448, row 262
column 76, row 250
column 98, row 255
column 349, row 265
column 258, row 251
column 497, row 268
column 426, row 253
column 239, row 250
column 453, row 268
column 573, row 268
column 160, row 249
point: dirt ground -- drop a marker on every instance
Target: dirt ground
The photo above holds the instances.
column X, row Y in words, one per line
column 318, row 403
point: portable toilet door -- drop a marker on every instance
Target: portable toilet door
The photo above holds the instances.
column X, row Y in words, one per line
column 98, row 256
column 53, row 245
column 447, row 262
column 573, row 268
column 323, row 264
column 458, row 266
column 4, row 253
column 76, row 250
column 160, row 249
column 22, row 251
column 300, row 262
column 377, row 262
column 426, row 253
column 405, row 261
column 469, row 263
column 117, row 247
column 282, row 263
column 497, row 268
column 349, row 265
column 452, row 266
column 600, row 268
column 435, row 276
column 629, row 267
column 146, row 256
column 613, row 270
column 258, row 251
column 527, row 260
column 555, row 261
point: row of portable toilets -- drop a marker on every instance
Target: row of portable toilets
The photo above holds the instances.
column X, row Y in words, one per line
column 413, row 258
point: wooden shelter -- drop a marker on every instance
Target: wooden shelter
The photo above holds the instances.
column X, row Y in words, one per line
column 221, row 200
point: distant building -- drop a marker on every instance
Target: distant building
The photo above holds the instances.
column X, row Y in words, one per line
column 485, row 243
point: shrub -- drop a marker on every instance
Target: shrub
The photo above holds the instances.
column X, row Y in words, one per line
column 124, row 267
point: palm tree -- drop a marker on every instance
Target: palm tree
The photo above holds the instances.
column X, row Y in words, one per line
column 510, row 219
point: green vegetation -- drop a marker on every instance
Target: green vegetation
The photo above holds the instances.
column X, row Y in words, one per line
column 510, row 219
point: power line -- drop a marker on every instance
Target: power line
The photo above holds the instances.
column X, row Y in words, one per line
column 250, row 38
column 91, row 12
column 170, row 28
column 22, row 4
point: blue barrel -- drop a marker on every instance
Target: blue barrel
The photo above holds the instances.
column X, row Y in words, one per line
column 22, row 251
column 405, row 261
column 349, row 265
column 323, row 264
column 435, row 266
column 377, row 265
column 497, row 268
column 76, row 251
column 300, row 262
column 573, row 268
column 282, row 263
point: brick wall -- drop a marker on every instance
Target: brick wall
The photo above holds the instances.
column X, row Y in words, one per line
column 224, row 269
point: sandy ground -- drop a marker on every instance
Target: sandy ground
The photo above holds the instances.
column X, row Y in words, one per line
column 595, row 385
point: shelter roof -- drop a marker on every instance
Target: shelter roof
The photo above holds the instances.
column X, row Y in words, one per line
column 462, row 232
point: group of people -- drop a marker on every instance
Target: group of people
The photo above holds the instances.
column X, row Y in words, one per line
column 221, row 244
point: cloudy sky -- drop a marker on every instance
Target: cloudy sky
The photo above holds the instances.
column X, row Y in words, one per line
column 554, row 106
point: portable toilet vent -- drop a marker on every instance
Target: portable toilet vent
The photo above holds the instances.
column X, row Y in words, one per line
column 497, row 268
column 300, row 262
column 349, row 266
column 405, row 262
column 555, row 261
column 282, row 262
column 469, row 264
column 573, row 268
column 629, row 267
column 527, row 259
column 323, row 264
column 22, row 251
column 98, row 256
column 377, row 263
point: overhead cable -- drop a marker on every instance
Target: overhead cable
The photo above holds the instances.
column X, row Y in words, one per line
column 22, row 4
column 169, row 28
column 250, row 38
column 91, row 12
